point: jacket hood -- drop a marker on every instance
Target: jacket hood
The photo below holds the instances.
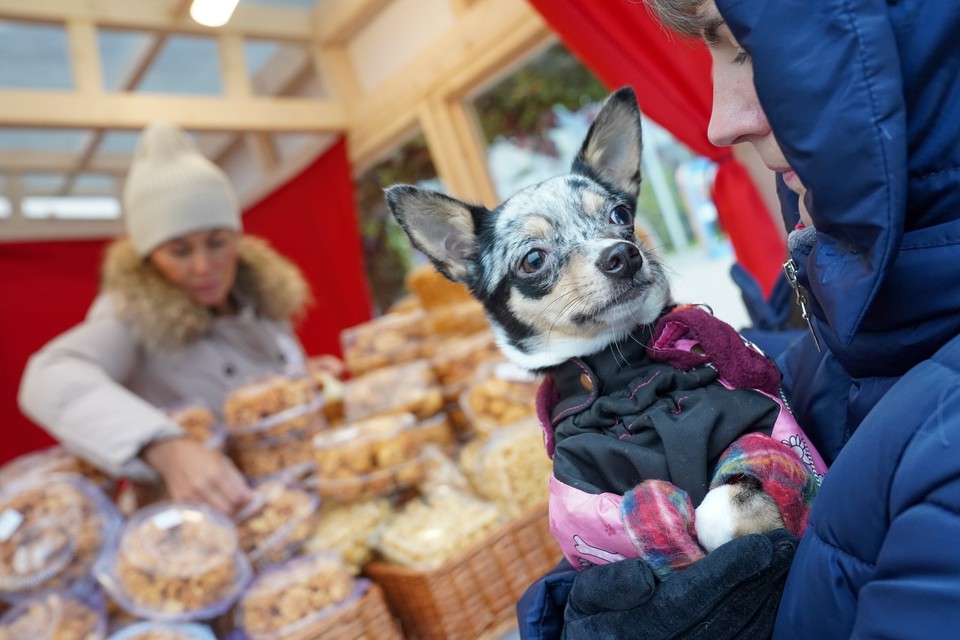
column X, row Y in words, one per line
column 164, row 317
column 864, row 98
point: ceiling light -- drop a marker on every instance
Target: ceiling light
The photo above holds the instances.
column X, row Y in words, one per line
column 212, row 13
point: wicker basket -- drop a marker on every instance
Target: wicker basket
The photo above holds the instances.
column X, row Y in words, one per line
column 366, row 619
column 474, row 594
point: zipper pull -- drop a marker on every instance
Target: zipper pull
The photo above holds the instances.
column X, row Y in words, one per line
column 790, row 270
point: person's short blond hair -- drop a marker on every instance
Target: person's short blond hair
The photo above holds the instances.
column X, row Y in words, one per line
column 683, row 16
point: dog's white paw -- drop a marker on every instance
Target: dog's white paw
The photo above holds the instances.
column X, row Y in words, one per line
column 716, row 521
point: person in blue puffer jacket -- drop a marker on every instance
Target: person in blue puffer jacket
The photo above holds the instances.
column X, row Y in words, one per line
column 856, row 104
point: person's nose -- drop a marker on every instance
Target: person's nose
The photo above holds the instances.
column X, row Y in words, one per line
column 201, row 263
column 726, row 127
column 734, row 117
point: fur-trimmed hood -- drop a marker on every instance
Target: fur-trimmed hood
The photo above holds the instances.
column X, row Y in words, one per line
column 164, row 317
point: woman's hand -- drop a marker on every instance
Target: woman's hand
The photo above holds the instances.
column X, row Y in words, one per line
column 193, row 473
column 327, row 364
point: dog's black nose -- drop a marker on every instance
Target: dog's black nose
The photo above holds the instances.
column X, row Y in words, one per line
column 621, row 260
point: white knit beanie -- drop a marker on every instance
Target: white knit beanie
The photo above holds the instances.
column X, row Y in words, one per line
column 173, row 190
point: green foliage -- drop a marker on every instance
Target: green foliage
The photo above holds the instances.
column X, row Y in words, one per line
column 387, row 252
column 521, row 106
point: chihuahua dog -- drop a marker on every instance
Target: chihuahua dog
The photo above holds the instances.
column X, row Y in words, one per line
column 562, row 274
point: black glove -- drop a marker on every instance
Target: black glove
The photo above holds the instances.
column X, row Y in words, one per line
column 733, row 592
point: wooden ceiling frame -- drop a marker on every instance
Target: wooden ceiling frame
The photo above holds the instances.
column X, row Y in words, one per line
column 430, row 92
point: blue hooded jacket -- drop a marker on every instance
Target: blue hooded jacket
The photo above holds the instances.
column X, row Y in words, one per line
column 864, row 98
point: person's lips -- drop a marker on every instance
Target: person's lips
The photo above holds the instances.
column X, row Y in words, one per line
column 207, row 287
column 792, row 181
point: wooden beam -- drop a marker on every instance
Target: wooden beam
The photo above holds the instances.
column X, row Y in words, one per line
column 250, row 20
column 28, row 108
column 233, row 67
column 85, row 56
column 26, row 161
column 334, row 62
column 260, row 146
column 23, row 229
column 491, row 37
column 138, row 64
column 458, row 153
column 337, row 21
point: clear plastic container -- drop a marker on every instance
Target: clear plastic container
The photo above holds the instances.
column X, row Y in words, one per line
column 53, row 615
column 457, row 359
column 347, row 528
column 200, row 424
column 330, row 388
column 55, row 459
column 511, row 467
column 366, row 445
column 368, row 458
column 176, row 563
column 390, row 339
column 278, row 443
column 501, row 393
column 432, row 289
column 53, row 529
column 264, row 397
column 463, row 318
column 431, row 530
column 277, row 522
column 437, row 431
column 405, row 388
column 147, row 630
column 287, row 599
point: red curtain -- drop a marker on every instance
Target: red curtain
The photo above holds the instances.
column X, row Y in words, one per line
column 313, row 221
column 624, row 45
column 47, row 287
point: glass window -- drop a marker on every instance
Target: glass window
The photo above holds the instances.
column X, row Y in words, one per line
column 71, row 208
column 387, row 252
column 34, row 56
column 534, row 122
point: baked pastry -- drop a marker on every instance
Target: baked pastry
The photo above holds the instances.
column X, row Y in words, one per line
column 277, row 444
column 199, row 423
column 290, row 597
column 55, row 459
column 500, row 394
column 368, row 458
column 433, row 289
column 176, row 562
column 53, row 615
column 510, row 468
column 53, row 529
column 406, row 388
column 253, row 402
column 275, row 525
column 279, row 441
column 430, row 530
column 347, row 528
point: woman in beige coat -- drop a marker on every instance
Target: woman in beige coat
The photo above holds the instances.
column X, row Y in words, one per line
column 189, row 308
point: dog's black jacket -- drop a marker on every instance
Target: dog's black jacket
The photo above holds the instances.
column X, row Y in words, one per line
column 623, row 416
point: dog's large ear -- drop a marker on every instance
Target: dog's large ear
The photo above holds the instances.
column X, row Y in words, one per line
column 438, row 225
column 613, row 145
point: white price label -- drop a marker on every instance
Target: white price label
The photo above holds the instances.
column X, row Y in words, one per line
column 167, row 519
column 10, row 521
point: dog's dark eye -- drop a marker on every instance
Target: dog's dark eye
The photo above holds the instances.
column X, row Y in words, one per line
column 621, row 215
column 533, row 261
